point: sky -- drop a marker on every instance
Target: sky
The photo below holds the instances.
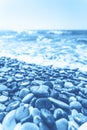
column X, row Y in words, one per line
column 43, row 14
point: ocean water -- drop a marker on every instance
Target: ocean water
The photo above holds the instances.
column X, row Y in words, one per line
column 59, row 48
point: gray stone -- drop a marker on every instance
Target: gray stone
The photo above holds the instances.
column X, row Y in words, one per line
column 59, row 103
column 21, row 112
column 40, row 91
column 76, row 105
column 43, row 103
column 3, row 98
column 62, row 124
column 9, row 122
column 23, row 92
column 28, row 98
column 29, row 126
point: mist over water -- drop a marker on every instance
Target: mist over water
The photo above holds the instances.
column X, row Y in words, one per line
column 59, row 48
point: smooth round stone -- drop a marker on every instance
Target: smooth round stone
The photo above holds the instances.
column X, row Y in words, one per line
column 80, row 118
column 40, row 91
column 62, row 124
column 21, row 113
column 76, row 105
column 68, row 84
column 9, row 122
column 3, row 87
column 43, row 103
column 83, row 126
column 48, row 118
column 2, row 107
column 13, row 105
column 3, row 98
column 71, row 99
column 28, row 98
column 29, row 126
column 23, row 92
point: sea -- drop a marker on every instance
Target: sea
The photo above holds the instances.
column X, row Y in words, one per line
column 58, row 48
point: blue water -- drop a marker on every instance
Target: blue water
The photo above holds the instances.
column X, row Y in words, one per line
column 59, row 48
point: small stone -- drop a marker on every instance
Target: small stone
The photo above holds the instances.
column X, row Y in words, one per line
column 76, row 105
column 83, row 126
column 9, row 122
column 71, row 99
column 23, row 92
column 43, row 103
column 68, row 84
column 62, row 124
column 2, row 107
column 28, row 98
column 49, row 84
column 3, row 87
column 84, row 103
column 37, row 120
column 21, row 112
column 40, row 91
column 29, row 126
column 34, row 111
column 3, row 98
column 12, row 105
column 84, row 111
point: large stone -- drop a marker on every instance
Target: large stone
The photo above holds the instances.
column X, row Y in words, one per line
column 9, row 122
column 62, row 124
column 83, row 126
column 29, row 126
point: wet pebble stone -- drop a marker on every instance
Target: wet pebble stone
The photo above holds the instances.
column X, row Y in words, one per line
column 13, row 105
column 62, row 124
column 9, row 121
column 40, row 91
column 29, row 126
column 21, row 113
column 23, row 92
column 75, row 105
column 28, row 98
column 2, row 107
column 3, row 98
column 43, row 103
column 3, row 87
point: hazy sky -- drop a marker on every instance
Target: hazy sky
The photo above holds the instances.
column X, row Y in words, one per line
column 43, row 14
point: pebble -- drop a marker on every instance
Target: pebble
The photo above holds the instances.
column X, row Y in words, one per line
column 3, row 87
column 83, row 126
column 62, row 124
column 9, row 121
column 23, row 92
column 59, row 103
column 13, row 105
column 43, row 103
column 29, row 126
column 40, row 91
column 21, row 113
column 28, row 98
column 2, row 107
column 76, row 105
column 68, row 84
column 18, row 126
column 3, row 98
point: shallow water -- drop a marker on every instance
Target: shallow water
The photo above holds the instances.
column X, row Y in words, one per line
column 65, row 48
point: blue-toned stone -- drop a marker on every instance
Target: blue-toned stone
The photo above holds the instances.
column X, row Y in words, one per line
column 28, row 98
column 76, row 105
column 62, row 124
column 29, row 126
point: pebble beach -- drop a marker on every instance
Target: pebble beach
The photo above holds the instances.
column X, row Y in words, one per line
column 42, row 94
